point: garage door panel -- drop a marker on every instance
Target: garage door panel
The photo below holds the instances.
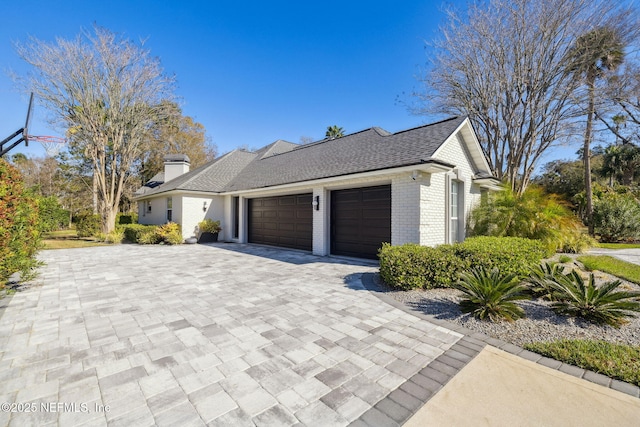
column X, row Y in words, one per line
column 284, row 221
column 360, row 220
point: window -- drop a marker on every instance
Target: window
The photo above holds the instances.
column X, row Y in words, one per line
column 149, row 206
column 453, row 210
column 236, row 217
column 169, row 209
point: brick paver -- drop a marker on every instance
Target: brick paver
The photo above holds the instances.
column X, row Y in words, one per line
column 216, row 334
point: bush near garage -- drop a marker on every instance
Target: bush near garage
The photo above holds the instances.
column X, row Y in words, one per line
column 510, row 255
column 412, row 266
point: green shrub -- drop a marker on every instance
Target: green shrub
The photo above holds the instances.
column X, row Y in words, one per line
column 616, row 217
column 209, row 226
column 153, row 234
column 508, row 254
column 491, row 294
column 170, row 233
column 19, row 226
column 601, row 304
column 413, row 266
column 149, row 236
column 116, row 236
column 125, row 219
column 88, row 225
column 52, row 216
column 132, row 232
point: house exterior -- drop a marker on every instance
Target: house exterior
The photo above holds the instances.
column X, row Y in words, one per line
column 343, row 196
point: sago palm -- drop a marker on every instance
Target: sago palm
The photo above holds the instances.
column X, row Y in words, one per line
column 491, row 294
column 598, row 304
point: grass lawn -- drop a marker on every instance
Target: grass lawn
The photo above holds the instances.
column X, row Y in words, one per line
column 619, row 245
column 613, row 360
column 617, row 267
column 67, row 239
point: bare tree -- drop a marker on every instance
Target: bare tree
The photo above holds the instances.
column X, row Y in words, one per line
column 107, row 91
column 504, row 64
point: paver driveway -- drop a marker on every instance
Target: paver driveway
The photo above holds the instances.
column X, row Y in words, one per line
column 199, row 334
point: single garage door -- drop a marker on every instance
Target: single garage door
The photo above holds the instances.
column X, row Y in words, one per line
column 360, row 221
column 282, row 221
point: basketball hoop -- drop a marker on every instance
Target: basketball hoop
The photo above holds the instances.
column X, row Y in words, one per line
column 51, row 144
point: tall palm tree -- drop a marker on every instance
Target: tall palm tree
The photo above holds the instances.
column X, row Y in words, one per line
column 594, row 53
column 334, row 132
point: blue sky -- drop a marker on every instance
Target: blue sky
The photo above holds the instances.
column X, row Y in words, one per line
column 251, row 72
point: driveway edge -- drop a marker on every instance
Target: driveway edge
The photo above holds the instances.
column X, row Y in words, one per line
column 445, row 367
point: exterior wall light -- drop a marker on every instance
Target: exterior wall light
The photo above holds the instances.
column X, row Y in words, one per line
column 204, row 206
column 316, row 203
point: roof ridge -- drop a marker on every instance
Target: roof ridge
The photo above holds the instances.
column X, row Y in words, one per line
column 429, row 124
column 325, row 140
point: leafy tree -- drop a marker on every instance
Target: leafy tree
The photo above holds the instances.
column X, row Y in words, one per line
column 19, row 225
column 594, row 53
column 334, row 132
column 503, row 63
column 620, row 163
column 108, row 92
column 562, row 177
column 176, row 134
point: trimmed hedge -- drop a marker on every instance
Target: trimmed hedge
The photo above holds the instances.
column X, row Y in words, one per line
column 510, row 255
column 413, row 266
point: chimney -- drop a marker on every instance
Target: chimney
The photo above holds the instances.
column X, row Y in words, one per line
column 175, row 165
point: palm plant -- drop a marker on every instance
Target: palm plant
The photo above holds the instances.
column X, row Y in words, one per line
column 542, row 278
column 490, row 294
column 534, row 214
column 334, row 132
column 594, row 53
column 603, row 304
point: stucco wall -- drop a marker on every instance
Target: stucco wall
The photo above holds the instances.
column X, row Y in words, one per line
column 193, row 213
column 158, row 214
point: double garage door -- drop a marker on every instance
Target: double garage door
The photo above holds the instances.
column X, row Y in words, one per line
column 360, row 221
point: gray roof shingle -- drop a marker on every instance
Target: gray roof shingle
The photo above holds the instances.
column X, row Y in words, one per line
column 284, row 162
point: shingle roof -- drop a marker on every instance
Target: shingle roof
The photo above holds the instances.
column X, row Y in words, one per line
column 369, row 150
column 283, row 162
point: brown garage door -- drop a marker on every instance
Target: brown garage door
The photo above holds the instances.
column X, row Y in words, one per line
column 282, row 221
column 360, row 221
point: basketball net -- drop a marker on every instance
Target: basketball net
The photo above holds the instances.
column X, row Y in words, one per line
column 51, row 144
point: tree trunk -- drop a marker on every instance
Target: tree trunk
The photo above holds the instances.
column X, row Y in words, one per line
column 591, row 77
column 95, row 194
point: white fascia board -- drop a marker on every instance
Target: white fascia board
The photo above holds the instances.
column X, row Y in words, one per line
column 175, row 192
column 473, row 145
column 427, row 167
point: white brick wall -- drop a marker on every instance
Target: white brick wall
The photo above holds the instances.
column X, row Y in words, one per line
column 321, row 222
column 452, row 151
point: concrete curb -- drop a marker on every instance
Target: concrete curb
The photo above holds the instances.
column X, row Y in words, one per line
column 405, row 401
